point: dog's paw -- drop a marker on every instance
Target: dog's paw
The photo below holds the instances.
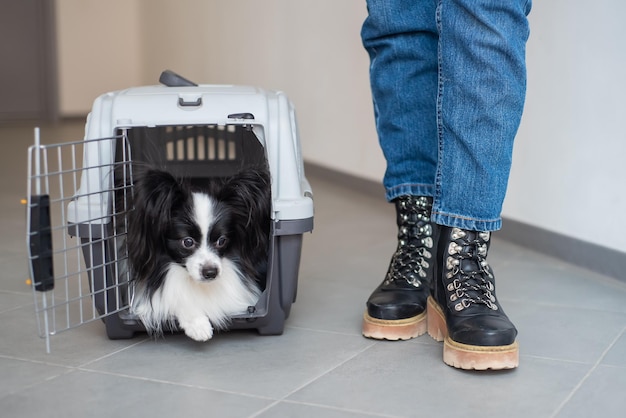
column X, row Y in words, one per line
column 198, row 329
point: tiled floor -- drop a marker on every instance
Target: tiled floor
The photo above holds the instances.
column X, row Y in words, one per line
column 572, row 335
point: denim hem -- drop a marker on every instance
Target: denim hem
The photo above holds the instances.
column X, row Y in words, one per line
column 471, row 224
column 409, row 189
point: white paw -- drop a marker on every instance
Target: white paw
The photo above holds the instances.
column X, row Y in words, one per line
column 198, row 329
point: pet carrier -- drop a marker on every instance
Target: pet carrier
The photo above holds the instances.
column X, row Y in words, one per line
column 77, row 214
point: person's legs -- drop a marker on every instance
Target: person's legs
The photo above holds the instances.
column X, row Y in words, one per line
column 401, row 39
column 482, row 85
column 481, row 91
column 448, row 154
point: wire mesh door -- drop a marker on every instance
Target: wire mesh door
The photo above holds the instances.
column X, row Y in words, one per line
column 76, row 229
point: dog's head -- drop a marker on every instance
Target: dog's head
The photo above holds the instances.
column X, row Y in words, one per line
column 200, row 235
column 198, row 229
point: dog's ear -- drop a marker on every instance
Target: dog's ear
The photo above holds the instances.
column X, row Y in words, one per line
column 248, row 194
column 155, row 193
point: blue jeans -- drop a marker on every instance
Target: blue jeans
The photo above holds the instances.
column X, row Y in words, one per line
column 448, row 80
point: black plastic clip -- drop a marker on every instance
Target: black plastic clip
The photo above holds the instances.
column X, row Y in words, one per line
column 245, row 116
column 41, row 243
column 241, row 116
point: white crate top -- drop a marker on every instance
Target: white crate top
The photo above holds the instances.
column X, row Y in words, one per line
column 161, row 105
column 274, row 124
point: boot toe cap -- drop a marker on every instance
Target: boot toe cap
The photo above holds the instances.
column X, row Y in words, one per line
column 396, row 305
column 484, row 331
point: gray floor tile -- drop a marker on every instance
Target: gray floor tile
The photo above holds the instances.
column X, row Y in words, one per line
column 19, row 375
column 240, row 362
column 548, row 281
column 564, row 333
column 410, row 380
column 571, row 323
column 81, row 394
column 335, row 306
column 72, row 348
column 601, row 395
column 299, row 410
column 616, row 355
column 10, row 300
column 14, row 273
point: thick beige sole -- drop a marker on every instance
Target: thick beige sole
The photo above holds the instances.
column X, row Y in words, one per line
column 469, row 357
column 393, row 330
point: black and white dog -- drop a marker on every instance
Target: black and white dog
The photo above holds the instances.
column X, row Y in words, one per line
column 197, row 255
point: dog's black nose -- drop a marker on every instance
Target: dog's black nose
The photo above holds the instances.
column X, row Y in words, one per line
column 209, row 272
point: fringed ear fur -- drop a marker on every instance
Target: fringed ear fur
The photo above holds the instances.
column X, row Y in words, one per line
column 249, row 194
column 155, row 193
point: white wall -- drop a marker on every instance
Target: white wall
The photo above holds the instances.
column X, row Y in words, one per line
column 568, row 170
column 567, row 174
column 309, row 49
column 98, row 50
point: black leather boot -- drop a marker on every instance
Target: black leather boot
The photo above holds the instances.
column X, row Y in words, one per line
column 396, row 310
column 463, row 310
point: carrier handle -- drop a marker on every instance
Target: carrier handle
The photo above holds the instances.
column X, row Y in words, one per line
column 196, row 103
column 171, row 79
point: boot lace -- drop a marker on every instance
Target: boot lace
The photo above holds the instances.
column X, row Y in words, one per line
column 413, row 254
column 474, row 285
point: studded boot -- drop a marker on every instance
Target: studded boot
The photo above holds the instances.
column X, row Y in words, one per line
column 463, row 311
column 396, row 310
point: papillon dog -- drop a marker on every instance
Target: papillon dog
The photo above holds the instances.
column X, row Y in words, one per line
column 197, row 251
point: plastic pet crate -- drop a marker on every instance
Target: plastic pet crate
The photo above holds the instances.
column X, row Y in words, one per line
column 77, row 214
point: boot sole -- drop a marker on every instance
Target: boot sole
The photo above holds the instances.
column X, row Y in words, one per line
column 396, row 329
column 464, row 356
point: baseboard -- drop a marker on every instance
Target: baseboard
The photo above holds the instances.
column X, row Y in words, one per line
column 584, row 254
column 356, row 183
column 581, row 253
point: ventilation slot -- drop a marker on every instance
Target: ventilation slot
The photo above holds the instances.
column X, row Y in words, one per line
column 193, row 143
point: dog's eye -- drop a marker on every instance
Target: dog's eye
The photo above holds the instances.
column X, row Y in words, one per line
column 221, row 241
column 188, row 242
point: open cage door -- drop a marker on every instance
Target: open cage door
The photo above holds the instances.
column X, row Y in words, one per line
column 76, row 243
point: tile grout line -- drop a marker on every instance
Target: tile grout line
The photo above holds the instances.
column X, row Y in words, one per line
column 324, row 331
column 29, row 305
column 67, row 366
column 67, row 371
column 307, row 383
column 588, row 374
column 559, row 360
column 335, row 408
column 560, row 306
column 81, row 366
column 33, row 361
column 171, row 383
